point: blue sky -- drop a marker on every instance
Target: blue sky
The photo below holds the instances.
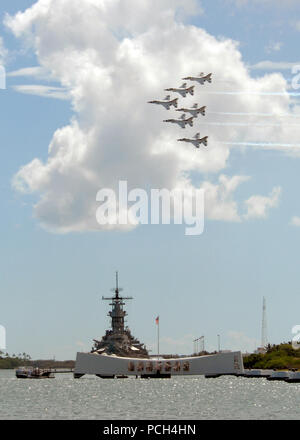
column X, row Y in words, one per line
column 52, row 283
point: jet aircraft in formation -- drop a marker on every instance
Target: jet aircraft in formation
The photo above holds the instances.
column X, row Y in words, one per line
column 196, row 140
column 167, row 102
column 182, row 90
column 182, row 121
column 200, row 79
column 194, row 111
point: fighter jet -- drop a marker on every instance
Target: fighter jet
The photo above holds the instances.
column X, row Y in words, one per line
column 196, row 140
column 183, row 90
column 201, row 78
column 182, row 121
column 167, row 102
column 194, row 110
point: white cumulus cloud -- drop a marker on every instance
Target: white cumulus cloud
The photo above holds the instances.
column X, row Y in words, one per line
column 113, row 56
column 258, row 206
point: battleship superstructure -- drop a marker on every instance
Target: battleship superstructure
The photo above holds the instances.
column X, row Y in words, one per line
column 119, row 340
column 119, row 354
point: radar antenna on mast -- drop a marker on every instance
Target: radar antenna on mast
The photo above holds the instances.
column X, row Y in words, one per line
column 117, row 289
column 117, row 314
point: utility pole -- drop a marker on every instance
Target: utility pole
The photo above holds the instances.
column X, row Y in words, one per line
column 197, row 347
column 202, row 343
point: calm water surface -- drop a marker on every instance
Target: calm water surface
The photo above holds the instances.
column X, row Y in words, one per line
column 175, row 398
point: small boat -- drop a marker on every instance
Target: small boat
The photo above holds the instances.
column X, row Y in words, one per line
column 33, row 373
column 294, row 377
column 280, row 375
column 257, row 373
column 253, row 373
column 22, row 373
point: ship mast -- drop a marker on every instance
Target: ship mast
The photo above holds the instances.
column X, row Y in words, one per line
column 117, row 314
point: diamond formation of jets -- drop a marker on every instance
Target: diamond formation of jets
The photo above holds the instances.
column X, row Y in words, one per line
column 183, row 90
column 196, row 140
column 182, row 121
column 200, row 79
column 167, row 102
column 194, row 111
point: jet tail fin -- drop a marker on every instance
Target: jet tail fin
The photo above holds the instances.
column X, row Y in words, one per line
column 197, row 135
column 195, row 105
column 205, row 140
column 167, row 98
column 183, row 86
column 182, row 116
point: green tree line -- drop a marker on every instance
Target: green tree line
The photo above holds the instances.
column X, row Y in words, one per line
column 12, row 361
column 22, row 359
column 281, row 356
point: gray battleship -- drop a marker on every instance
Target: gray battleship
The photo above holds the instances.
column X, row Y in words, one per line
column 118, row 354
column 119, row 340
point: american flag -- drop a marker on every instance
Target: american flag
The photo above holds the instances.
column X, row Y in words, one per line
column 157, row 320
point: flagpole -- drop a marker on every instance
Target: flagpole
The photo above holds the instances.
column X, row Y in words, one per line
column 158, row 337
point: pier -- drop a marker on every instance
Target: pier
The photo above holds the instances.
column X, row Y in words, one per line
column 56, row 371
column 289, row 376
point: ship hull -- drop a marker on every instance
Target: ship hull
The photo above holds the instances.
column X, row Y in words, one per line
column 29, row 374
column 111, row 366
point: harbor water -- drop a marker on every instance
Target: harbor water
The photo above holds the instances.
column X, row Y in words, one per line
column 178, row 398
